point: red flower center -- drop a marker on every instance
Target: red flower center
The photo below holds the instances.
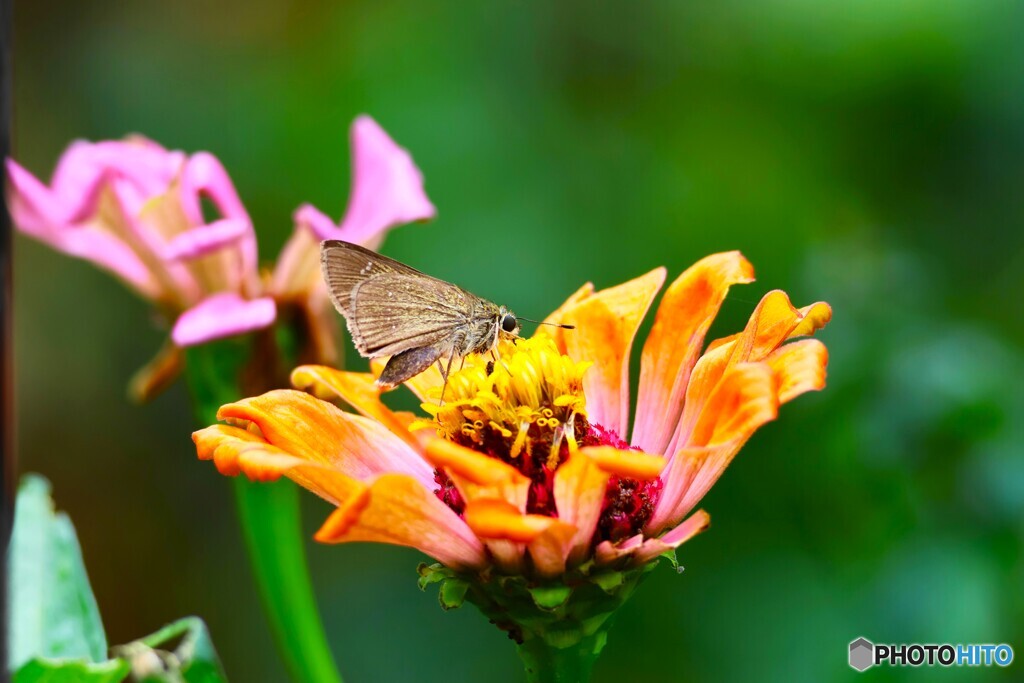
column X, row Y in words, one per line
column 628, row 503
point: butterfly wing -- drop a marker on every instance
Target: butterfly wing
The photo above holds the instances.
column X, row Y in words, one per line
column 345, row 265
column 390, row 307
column 394, row 312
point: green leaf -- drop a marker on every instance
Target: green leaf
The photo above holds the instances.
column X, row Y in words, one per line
column 53, row 613
column 181, row 651
column 71, row 671
column 550, row 597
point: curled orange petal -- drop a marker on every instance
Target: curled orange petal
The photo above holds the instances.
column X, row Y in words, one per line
column 687, row 310
column 358, row 389
column 236, row 451
column 398, row 509
column 606, row 324
column 812, row 319
column 315, row 430
column 799, row 367
column 769, row 326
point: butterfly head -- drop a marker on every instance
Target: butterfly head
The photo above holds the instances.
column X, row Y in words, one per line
column 508, row 323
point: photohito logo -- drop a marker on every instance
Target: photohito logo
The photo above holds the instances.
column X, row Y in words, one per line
column 864, row 654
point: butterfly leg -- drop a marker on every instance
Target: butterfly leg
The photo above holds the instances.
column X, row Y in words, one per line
column 497, row 357
column 445, row 373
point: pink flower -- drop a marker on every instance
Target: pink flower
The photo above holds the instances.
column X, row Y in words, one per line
column 136, row 210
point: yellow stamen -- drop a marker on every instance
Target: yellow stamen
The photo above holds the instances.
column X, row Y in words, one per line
column 533, row 394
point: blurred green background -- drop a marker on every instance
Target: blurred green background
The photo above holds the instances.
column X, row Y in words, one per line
column 870, row 154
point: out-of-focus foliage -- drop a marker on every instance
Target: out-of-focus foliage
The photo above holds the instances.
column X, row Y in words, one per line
column 870, row 154
column 54, row 630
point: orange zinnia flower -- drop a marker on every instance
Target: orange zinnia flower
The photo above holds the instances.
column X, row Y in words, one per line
column 530, row 467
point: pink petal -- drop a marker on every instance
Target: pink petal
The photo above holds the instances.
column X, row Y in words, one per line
column 144, row 166
column 41, row 214
column 205, row 175
column 205, row 239
column 147, row 166
column 222, row 315
column 387, row 190
column 298, row 265
column 653, row 547
column 608, row 552
column 39, row 211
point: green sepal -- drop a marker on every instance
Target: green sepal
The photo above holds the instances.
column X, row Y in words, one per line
column 551, row 596
column 452, row 593
column 670, row 555
column 560, row 625
column 609, row 582
column 38, row 670
column 432, row 573
column 180, row 651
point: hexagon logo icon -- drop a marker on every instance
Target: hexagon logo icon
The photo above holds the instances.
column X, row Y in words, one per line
column 862, row 654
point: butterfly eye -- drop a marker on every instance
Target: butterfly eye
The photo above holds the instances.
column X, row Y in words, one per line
column 508, row 323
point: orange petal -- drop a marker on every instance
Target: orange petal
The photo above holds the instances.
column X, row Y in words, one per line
column 397, row 509
column 318, row 431
column 686, row 312
column 579, row 489
column 745, row 399
column 357, row 389
column 769, row 326
column 653, row 547
column 606, row 323
column 813, row 318
column 799, row 367
column 550, row 549
column 692, row 472
column 477, row 475
column 495, row 518
column 580, row 485
column 556, row 317
column 625, row 463
column 236, row 451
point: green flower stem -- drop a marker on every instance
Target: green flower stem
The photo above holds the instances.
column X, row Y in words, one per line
column 271, row 523
column 545, row 663
column 270, row 519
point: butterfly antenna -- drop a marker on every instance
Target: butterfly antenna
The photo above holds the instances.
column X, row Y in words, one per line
column 538, row 322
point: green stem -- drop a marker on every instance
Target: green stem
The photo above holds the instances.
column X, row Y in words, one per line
column 546, row 663
column 271, row 524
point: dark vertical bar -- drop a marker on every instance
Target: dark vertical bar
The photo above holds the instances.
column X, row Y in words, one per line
column 6, row 359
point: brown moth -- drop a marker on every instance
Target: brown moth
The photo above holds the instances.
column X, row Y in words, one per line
column 397, row 311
